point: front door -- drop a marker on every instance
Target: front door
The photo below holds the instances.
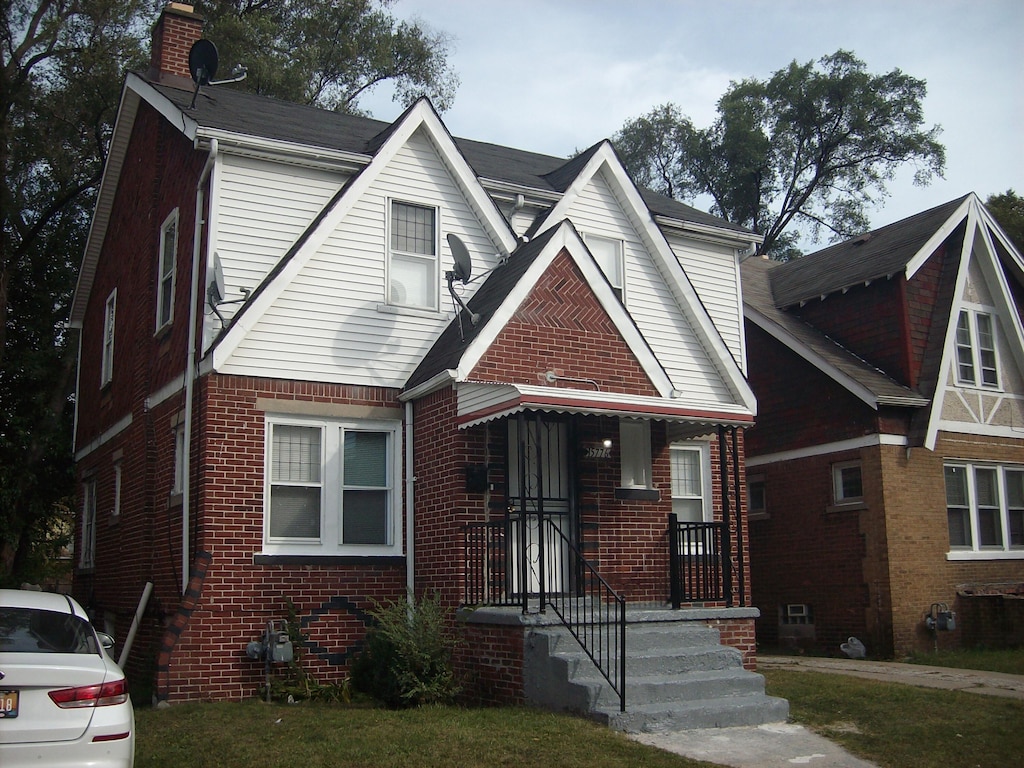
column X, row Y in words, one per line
column 539, row 490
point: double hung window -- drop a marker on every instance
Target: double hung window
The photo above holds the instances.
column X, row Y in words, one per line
column 976, row 363
column 690, row 468
column 331, row 487
column 107, row 358
column 166, row 270
column 985, row 507
column 412, row 276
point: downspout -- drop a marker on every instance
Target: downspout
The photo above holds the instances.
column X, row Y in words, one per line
column 410, row 483
column 190, row 365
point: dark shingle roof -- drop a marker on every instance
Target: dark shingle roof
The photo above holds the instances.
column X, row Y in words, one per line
column 264, row 117
column 880, row 253
column 757, row 276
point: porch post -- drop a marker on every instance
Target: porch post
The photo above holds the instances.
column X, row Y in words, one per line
column 524, row 560
column 741, row 576
column 541, row 553
column 726, row 519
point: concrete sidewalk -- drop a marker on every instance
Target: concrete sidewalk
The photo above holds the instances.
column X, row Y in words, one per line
column 968, row 680
column 783, row 745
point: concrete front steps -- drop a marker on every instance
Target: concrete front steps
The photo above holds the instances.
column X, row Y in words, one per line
column 678, row 676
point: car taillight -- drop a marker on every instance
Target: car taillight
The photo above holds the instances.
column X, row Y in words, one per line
column 104, row 695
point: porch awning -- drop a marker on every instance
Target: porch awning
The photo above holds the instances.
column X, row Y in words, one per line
column 480, row 402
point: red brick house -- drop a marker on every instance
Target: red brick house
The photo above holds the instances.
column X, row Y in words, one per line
column 886, row 469
column 328, row 361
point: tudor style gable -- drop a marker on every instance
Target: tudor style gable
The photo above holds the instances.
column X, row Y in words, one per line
column 979, row 384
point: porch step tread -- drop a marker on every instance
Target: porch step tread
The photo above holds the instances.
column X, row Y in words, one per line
column 708, row 713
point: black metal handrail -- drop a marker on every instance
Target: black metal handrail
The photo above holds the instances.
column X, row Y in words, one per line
column 595, row 614
column 700, row 567
column 586, row 605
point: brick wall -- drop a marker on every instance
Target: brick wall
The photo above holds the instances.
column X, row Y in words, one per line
column 798, row 405
column 868, row 319
column 489, row 664
column 810, row 551
column 919, row 540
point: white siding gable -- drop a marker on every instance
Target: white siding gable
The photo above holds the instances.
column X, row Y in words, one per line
column 259, row 210
column 666, row 326
column 714, row 271
column 331, row 321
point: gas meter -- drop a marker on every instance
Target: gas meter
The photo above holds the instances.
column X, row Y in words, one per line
column 274, row 646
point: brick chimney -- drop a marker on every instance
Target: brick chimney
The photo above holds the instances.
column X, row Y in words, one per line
column 178, row 27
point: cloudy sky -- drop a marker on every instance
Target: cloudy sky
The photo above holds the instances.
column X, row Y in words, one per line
column 556, row 76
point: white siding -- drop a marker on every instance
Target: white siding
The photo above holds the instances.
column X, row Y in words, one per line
column 651, row 303
column 714, row 272
column 327, row 325
column 263, row 207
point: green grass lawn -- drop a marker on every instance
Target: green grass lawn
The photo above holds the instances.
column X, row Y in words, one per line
column 904, row 726
column 900, row 726
column 1011, row 662
column 258, row 735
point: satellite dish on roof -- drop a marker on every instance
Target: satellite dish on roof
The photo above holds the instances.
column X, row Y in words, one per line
column 202, row 61
column 202, row 65
column 463, row 263
column 463, row 268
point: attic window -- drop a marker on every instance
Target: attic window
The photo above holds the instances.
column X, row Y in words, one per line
column 976, row 363
column 412, row 265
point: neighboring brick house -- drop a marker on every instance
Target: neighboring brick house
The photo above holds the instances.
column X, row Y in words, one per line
column 282, row 401
column 886, row 469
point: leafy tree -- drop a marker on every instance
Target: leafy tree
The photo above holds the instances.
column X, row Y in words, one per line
column 329, row 53
column 63, row 64
column 808, row 149
column 1008, row 210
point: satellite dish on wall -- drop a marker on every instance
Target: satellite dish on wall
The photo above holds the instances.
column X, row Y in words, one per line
column 202, row 62
column 463, row 263
column 216, row 292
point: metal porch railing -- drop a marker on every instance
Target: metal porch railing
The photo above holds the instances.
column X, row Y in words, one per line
column 593, row 612
column 700, row 565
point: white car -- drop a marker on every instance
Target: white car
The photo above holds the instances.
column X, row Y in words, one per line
column 63, row 700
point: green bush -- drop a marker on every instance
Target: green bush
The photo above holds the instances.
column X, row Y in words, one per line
column 407, row 660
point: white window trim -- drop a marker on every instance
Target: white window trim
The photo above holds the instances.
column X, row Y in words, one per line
column 704, row 449
column 87, row 557
column 329, row 543
column 107, row 354
column 838, row 499
column 635, row 454
column 435, row 287
column 620, row 257
column 978, row 382
column 167, row 272
column 977, row 551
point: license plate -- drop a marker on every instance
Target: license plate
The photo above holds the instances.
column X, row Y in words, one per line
column 8, row 704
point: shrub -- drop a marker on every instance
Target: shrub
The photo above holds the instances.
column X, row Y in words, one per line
column 407, row 660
